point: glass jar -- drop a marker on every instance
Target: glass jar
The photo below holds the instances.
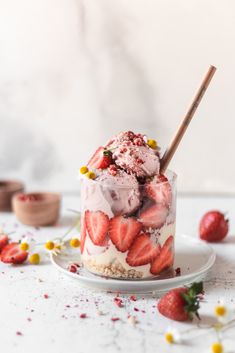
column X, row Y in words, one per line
column 127, row 231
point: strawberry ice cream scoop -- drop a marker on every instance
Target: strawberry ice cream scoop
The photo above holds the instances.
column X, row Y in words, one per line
column 120, row 189
column 140, row 160
column 132, row 153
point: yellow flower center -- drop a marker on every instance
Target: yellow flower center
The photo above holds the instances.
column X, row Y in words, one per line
column 49, row 245
column 74, row 243
column 169, row 337
column 217, row 347
column 90, row 175
column 83, row 170
column 152, row 143
column 24, row 246
column 34, row 259
column 220, row 310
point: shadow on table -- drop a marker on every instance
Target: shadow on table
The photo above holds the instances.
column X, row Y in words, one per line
column 230, row 239
column 208, row 320
column 67, row 220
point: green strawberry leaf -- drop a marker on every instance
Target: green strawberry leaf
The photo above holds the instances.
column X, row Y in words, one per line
column 192, row 300
column 107, row 153
column 196, row 288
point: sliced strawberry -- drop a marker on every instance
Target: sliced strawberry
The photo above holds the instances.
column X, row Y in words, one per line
column 165, row 259
column 154, row 216
column 105, row 242
column 3, row 241
column 159, row 190
column 11, row 254
column 123, row 231
column 101, row 159
column 82, row 234
column 142, row 251
column 97, row 224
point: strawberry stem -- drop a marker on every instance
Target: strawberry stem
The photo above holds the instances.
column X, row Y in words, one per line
column 107, row 153
column 192, row 299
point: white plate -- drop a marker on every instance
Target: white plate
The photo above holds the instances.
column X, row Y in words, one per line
column 193, row 256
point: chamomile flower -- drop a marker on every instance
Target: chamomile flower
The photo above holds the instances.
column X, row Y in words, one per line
column 59, row 246
column 223, row 312
column 74, row 243
column 34, row 259
column 26, row 244
column 172, row 335
column 217, row 347
column 49, row 245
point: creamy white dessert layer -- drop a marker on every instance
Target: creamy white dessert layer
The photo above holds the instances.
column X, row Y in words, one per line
column 111, row 256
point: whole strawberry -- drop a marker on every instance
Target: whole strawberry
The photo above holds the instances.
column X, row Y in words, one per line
column 181, row 303
column 213, row 226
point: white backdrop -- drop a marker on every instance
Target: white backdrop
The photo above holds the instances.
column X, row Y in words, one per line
column 74, row 72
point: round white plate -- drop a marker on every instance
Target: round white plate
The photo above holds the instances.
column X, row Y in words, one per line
column 193, row 256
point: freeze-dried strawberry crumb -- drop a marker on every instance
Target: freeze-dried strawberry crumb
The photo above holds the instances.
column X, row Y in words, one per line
column 118, row 302
column 19, row 333
column 115, row 319
column 46, row 296
column 136, row 309
column 83, row 316
column 178, row 271
column 133, row 298
column 72, row 268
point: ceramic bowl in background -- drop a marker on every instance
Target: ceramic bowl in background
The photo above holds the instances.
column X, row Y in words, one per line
column 37, row 208
column 8, row 188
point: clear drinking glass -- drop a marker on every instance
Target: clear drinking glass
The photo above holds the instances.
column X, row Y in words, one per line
column 127, row 232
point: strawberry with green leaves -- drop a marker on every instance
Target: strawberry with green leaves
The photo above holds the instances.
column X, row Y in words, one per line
column 101, row 159
column 181, row 304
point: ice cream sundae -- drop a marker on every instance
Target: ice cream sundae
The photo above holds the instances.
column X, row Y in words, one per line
column 128, row 210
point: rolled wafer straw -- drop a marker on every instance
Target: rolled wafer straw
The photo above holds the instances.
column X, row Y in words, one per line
column 170, row 151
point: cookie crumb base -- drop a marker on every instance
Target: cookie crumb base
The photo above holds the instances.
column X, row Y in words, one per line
column 112, row 270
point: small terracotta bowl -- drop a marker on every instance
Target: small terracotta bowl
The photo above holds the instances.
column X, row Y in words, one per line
column 37, row 209
column 7, row 189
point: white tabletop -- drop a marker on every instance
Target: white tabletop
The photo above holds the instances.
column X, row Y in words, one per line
column 31, row 323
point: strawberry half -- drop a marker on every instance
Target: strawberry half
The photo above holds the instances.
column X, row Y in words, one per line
column 181, row 303
column 97, row 224
column 11, row 254
column 154, row 216
column 3, row 241
column 159, row 190
column 142, row 251
column 101, row 159
column 82, row 234
column 123, row 231
column 165, row 258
